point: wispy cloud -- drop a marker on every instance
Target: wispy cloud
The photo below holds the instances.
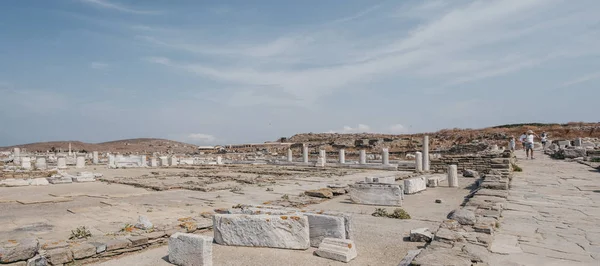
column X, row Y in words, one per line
column 119, row 7
column 581, row 79
column 467, row 42
column 99, row 65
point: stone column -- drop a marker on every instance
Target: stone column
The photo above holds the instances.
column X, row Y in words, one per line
column 80, row 163
column 342, row 156
column 143, row 162
column 418, row 162
column 173, row 161
column 26, row 163
column 70, row 153
column 426, row 153
column 164, row 161
column 290, row 157
column 385, row 156
column 95, row 157
column 61, row 162
column 219, row 160
column 17, row 155
column 305, row 153
column 452, row 176
column 40, row 162
column 111, row 161
column 153, row 162
column 323, row 154
column 362, row 157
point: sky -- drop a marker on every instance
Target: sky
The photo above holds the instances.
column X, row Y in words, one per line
column 220, row 72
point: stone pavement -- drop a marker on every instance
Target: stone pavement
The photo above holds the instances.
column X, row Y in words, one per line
column 552, row 216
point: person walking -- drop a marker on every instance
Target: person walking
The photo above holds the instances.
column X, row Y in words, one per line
column 512, row 144
column 522, row 139
column 544, row 139
column 529, row 144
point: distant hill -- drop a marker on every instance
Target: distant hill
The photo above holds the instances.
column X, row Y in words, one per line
column 445, row 138
column 121, row 146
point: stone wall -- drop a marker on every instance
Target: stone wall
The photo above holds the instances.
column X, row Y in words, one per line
column 482, row 162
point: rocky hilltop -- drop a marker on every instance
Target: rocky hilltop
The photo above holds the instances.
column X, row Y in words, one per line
column 445, row 139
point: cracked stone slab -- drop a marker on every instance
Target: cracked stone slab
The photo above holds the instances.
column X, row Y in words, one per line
column 505, row 244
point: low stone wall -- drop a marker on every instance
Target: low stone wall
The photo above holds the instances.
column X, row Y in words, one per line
column 482, row 162
column 30, row 251
column 466, row 237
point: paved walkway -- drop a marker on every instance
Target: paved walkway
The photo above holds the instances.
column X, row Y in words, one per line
column 552, row 216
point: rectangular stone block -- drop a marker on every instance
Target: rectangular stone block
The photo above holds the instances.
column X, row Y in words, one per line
column 118, row 243
column 500, row 185
column 83, row 250
column 281, row 231
column 59, row 256
column 376, row 194
column 324, row 226
column 190, row 250
column 342, row 250
column 415, row 184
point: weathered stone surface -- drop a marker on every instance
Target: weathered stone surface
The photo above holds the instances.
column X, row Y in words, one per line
column 324, row 226
column 484, row 228
column 144, row 223
column 376, row 194
column 342, row 250
column 83, row 250
column 442, row 257
column 100, row 247
column 415, row 184
column 83, row 179
column 288, row 232
column 420, row 235
column 501, row 185
column 11, row 182
column 18, row 250
column 447, row 236
column 37, row 261
column 505, row 244
column 570, row 153
column 470, row 173
column 118, row 243
column 39, row 182
column 190, row 250
column 320, row 193
column 475, row 252
column 60, row 180
column 450, row 224
column 138, row 240
column 410, row 256
column 338, row 191
column 492, row 193
column 462, row 216
column 59, row 256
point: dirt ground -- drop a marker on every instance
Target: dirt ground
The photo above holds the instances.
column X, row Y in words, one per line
column 165, row 195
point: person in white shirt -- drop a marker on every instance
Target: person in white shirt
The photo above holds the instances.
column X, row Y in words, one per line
column 529, row 144
column 512, row 143
column 544, row 139
column 522, row 139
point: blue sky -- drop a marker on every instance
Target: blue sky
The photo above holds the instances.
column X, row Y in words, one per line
column 210, row 72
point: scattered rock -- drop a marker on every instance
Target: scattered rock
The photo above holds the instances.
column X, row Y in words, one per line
column 438, row 201
column 470, row 173
column 59, row 256
column 338, row 191
column 320, row 193
column 463, row 216
column 420, row 235
column 447, row 236
column 342, row 250
column 450, row 224
column 144, row 223
column 13, row 250
column 37, row 261
column 190, row 249
column 83, row 250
